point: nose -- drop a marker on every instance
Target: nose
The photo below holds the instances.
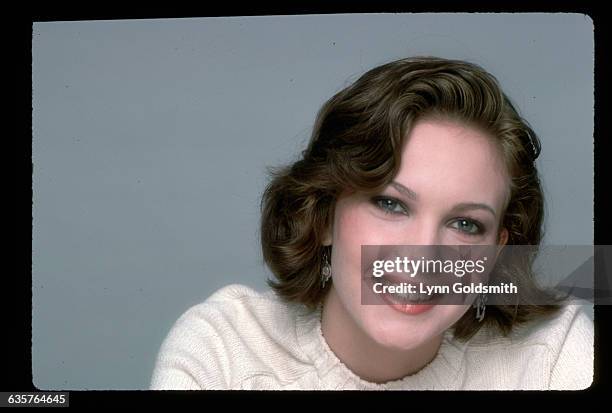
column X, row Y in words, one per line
column 425, row 236
column 423, row 232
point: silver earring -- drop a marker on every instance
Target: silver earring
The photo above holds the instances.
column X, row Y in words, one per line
column 325, row 269
column 481, row 305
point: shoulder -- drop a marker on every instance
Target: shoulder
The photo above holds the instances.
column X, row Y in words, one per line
column 551, row 330
column 236, row 333
column 551, row 352
column 236, row 301
column 573, row 349
column 571, row 321
column 240, row 312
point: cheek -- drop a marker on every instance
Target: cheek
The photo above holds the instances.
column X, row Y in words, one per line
column 351, row 228
column 355, row 225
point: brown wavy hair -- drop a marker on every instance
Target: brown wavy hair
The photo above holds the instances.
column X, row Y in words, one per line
column 356, row 145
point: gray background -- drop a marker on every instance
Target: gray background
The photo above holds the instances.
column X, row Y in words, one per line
column 151, row 140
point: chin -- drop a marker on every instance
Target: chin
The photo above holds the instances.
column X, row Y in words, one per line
column 394, row 330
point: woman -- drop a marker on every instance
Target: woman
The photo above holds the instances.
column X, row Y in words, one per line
column 420, row 151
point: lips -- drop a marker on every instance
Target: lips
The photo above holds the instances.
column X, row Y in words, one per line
column 420, row 278
column 404, row 299
column 412, row 309
column 402, row 302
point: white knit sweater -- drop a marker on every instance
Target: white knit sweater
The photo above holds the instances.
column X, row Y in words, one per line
column 242, row 339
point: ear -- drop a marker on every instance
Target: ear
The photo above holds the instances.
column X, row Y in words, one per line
column 503, row 237
column 327, row 237
column 502, row 240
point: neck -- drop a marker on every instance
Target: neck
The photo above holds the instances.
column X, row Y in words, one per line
column 350, row 343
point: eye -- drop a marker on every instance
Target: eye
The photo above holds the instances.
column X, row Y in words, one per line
column 467, row 226
column 390, row 205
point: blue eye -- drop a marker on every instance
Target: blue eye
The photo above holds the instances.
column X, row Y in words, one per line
column 390, row 205
column 467, row 226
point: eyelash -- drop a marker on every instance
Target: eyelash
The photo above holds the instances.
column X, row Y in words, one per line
column 377, row 201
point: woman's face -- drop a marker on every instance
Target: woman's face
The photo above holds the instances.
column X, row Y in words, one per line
column 444, row 165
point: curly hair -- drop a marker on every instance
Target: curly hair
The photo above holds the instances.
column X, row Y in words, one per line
column 356, row 145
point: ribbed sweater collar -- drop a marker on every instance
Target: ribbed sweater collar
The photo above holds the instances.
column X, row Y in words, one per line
column 445, row 371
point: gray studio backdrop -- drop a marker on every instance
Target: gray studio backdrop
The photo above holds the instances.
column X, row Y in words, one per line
column 151, row 140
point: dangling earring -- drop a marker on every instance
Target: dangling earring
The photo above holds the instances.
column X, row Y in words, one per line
column 481, row 305
column 325, row 269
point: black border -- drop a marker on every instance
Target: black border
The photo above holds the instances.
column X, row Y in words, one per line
column 18, row 300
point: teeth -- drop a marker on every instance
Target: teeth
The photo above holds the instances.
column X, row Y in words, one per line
column 415, row 297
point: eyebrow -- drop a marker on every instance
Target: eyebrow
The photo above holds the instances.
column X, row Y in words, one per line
column 406, row 191
column 472, row 205
column 464, row 206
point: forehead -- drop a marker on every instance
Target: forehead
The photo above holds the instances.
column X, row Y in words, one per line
column 453, row 161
